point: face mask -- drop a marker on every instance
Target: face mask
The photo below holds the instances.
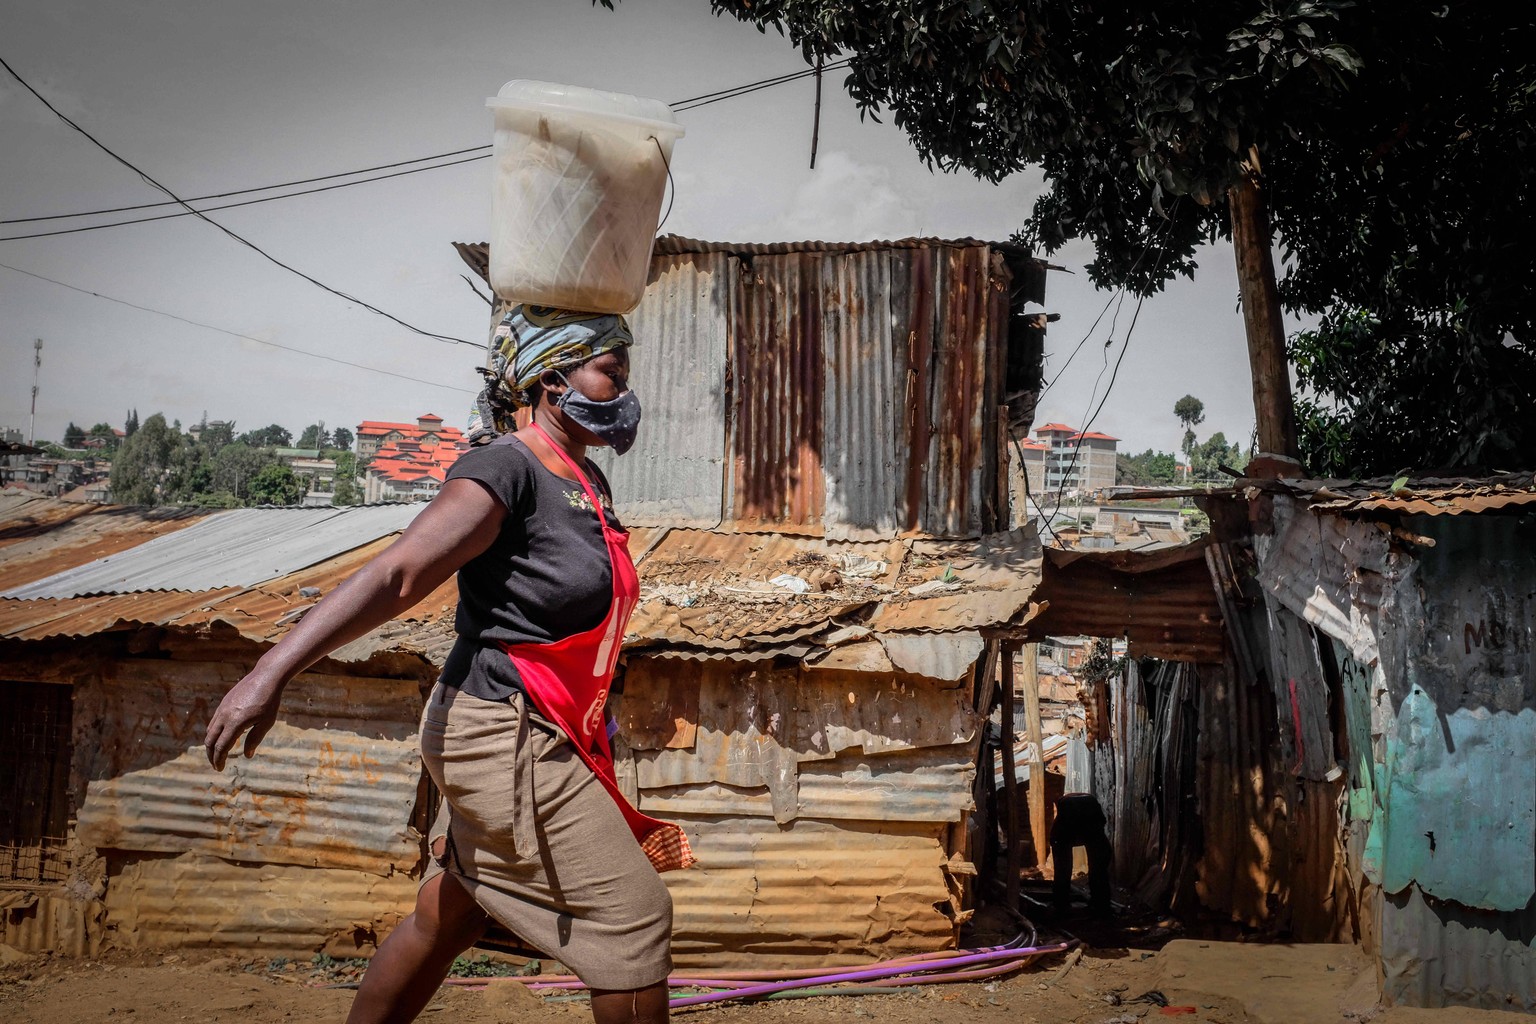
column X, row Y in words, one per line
column 616, row 421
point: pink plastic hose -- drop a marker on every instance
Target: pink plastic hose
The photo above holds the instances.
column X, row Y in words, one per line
column 889, row 971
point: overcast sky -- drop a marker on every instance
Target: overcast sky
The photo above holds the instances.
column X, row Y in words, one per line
column 211, row 97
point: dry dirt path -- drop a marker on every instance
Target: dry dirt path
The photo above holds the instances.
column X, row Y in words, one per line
column 1208, row 982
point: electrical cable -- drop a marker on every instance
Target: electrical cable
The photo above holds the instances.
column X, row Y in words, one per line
column 448, row 338
column 481, row 151
column 262, row 188
column 231, row 206
column 234, row 334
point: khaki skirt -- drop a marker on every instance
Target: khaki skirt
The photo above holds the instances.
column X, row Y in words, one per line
column 540, row 845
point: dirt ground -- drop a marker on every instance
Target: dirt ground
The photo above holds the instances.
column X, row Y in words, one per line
column 1211, row 982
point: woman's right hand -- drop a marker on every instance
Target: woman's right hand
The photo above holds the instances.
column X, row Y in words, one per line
column 249, row 707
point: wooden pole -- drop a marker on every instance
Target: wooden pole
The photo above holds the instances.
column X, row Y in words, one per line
column 1034, row 732
column 816, row 118
column 1272, row 407
column 1010, row 784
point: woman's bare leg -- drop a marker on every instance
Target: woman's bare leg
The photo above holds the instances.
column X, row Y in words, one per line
column 642, row 1006
column 412, row 963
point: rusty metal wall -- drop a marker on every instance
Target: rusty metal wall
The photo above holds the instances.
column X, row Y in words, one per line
column 58, row 921
column 674, row 475
column 778, row 378
column 866, row 389
column 821, row 804
column 205, row 902
column 866, row 459
column 333, row 786
column 1453, row 814
column 809, row 894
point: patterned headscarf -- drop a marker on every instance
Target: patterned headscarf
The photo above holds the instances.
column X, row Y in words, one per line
column 528, row 341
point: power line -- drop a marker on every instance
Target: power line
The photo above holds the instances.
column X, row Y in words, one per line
column 692, row 103
column 234, row 334
column 263, row 188
column 230, row 206
column 239, row 238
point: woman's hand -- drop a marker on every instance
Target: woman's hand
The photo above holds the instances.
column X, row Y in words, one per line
column 249, row 707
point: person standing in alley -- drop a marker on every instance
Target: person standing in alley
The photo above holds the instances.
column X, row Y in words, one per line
column 533, row 831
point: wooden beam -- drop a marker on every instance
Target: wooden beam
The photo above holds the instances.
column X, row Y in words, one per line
column 1010, row 783
column 1272, row 407
column 1034, row 732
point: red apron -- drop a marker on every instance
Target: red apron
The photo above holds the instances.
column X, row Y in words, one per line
column 568, row 682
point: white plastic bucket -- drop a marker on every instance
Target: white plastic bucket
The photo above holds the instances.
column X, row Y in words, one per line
column 580, row 176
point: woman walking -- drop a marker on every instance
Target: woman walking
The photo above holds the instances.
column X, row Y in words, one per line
column 533, row 831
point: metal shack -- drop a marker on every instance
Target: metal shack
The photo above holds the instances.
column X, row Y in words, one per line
column 821, row 514
column 120, row 630
column 1401, row 620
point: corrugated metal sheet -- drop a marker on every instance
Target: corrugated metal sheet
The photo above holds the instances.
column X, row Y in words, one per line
column 57, row 922
column 810, row 893
column 1430, row 496
column 276, row 910
column 42, row 536
column 48, row 536
column 333, row 787
column 1330, row 571
column 866, row 458
column 237, row 548
column 1164, row 603
column 932, row 784
column 1437, row 954
column 861, row 385
column 778, row 380
column 674, row 475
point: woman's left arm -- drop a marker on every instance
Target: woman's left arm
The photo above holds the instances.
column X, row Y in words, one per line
column 459, row 523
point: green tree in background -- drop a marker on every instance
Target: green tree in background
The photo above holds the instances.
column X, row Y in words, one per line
column 342, row 438
column 1147, row 469
column 131, row 424
column 1387, row 147
column 73, row 437
column 273, row 436
column 314, row 436
column 344, row 490
column 145, row 461
column 276, row 484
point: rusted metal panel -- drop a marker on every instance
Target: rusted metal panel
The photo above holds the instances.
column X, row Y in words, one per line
column 777, row 385
column 932, row 784
column 866, row 460
column 205, row 902
column 674, row 476
column 1166, row 607
column 333, row 785
column 59, row 921
column 809, row 893
column 757, row 727
column 958, row 394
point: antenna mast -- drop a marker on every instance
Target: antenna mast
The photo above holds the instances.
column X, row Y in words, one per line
column 37, row 366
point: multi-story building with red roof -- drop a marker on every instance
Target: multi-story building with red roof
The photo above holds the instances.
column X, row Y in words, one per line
column 408, row 463
column 428, row 429
column 1075, row 460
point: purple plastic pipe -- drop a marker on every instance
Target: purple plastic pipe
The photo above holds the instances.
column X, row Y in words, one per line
column 864, row 975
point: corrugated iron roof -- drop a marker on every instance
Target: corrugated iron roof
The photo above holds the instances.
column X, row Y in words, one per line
column 713, row 591
column 1163, row 602
column 1429, row 496
column 50, row 535
column 239, row 548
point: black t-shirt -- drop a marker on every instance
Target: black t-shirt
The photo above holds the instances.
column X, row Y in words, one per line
column 544, row 578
